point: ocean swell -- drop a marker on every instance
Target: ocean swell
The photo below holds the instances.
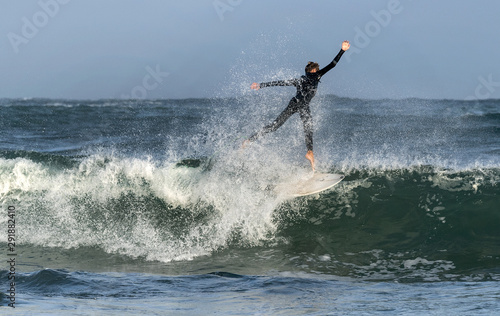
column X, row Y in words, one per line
column 161, row 211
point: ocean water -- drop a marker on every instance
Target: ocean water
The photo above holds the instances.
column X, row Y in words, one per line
column 120, row 207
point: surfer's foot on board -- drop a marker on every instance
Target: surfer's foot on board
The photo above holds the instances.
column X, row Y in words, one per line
column 310, row 157
column 245, row 143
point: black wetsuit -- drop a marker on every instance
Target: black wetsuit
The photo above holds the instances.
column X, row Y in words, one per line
column 306, row 89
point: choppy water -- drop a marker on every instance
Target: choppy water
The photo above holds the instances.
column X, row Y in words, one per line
column 131, row 206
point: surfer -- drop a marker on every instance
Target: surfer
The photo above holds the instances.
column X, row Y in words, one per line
column 306, row 89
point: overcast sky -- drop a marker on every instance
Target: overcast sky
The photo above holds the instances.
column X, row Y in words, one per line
column 91, row 49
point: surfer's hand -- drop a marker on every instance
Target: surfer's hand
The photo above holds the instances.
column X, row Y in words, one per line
column 345, row 45
column 255, row 86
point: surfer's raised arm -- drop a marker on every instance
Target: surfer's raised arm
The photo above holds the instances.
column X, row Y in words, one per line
column 345, row 46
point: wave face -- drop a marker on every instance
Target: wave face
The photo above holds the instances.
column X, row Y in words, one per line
column 165, row 181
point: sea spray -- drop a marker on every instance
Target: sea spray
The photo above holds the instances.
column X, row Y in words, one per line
column 139, row 207
column 166, row 181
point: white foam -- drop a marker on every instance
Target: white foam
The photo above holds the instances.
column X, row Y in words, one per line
column 77, row 207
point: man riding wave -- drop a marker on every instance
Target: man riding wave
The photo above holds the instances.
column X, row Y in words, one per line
column 307, row 86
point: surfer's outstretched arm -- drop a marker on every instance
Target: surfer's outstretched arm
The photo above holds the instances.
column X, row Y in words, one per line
column 345, row 46
column 281, row 83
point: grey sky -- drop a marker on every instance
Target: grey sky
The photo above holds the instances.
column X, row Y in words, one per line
column 89, row 49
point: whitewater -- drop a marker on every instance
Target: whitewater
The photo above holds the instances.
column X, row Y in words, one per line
column 122, row 202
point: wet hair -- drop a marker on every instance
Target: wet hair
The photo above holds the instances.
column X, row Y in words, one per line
column 312, row 65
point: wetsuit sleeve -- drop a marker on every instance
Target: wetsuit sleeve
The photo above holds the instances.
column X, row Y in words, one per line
column 291, row 82
column 332, row 64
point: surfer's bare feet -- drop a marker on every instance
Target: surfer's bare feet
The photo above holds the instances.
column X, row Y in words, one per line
column 245, row 143
column 310, row 157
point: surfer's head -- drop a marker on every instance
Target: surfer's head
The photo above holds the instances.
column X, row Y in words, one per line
column 312, row 67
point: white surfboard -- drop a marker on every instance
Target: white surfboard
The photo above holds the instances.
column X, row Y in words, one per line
column 315, row 184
